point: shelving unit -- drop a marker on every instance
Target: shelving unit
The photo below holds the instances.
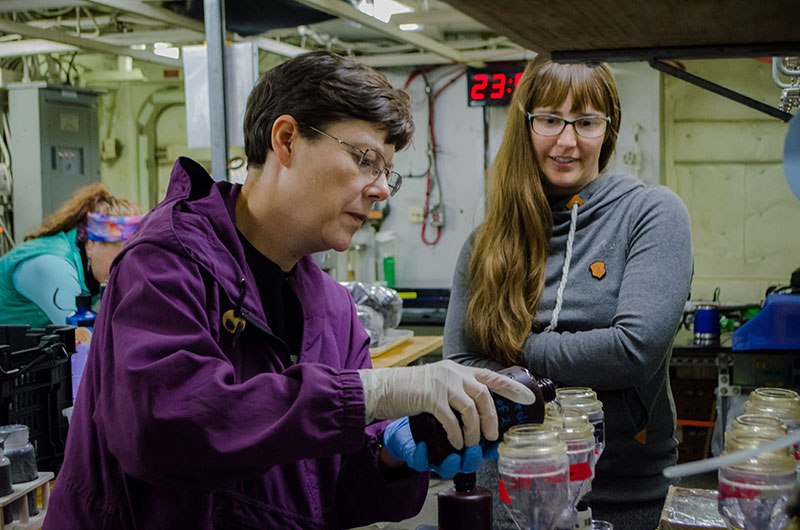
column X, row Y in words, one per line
column 23, row 520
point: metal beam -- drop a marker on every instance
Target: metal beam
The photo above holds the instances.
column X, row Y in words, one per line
column 214, row 11
column 25, row 5
column 469, row 57
column 87, row 44
column 167, row 16
column 677, row 52
column 345, row 10
column 721, row 90
column 155, row 13
column 274, row 46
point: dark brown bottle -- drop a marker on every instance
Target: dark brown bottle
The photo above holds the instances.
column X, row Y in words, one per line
column 465, row 506
column 425, row 427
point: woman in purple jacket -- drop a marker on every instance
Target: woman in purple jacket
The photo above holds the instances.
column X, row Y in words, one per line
column 229, row 381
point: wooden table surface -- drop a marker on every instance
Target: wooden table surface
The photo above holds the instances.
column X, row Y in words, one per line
column 403, row 354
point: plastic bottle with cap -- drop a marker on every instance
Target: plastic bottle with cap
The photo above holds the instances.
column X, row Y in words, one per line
column 83, row 319
column 466, row 505
column 425, row 427
column 83, row 316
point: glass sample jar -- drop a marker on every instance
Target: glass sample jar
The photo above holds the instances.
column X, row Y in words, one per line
column 768, row 394
column 5, row 475
column 22, row 458
column 753, row 494
column 786, row 409
column 585, row 399
column 20, row 452
column 534, row 474
column 577, row 432
column 760, row 424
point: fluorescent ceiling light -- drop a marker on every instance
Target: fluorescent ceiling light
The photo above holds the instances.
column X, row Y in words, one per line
column 411, row 27
column 382, row 9
column 138, row 46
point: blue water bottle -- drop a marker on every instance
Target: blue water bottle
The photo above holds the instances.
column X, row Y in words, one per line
column 83, row 319
column 83, row 316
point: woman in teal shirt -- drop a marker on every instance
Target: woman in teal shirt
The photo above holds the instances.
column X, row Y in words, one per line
column 70, row 252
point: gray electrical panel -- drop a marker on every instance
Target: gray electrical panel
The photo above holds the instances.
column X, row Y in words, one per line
column 54, row 148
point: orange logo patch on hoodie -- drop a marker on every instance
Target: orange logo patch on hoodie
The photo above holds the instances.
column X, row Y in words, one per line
column 598, row 269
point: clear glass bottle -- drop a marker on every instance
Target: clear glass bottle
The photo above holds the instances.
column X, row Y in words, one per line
column 585, row 399
column 753, row 494
column 534, row 474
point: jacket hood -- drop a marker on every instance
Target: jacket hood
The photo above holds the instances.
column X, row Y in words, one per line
column 600, row 193
column 194, row 207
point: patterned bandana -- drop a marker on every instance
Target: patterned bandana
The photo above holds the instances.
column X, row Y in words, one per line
column 107, row 228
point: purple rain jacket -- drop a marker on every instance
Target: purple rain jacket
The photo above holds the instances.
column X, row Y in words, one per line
column 179, row 424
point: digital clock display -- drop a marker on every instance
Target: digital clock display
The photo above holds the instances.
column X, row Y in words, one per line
column 493, row 85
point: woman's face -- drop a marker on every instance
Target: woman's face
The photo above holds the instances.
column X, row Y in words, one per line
column 569, row 162
column 328, row 181
column 100, row 256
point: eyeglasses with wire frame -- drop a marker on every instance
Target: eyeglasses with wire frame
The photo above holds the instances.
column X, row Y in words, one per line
column 585, row 126
column 370, row 162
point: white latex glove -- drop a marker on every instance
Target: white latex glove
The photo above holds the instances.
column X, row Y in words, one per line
column 442, row 388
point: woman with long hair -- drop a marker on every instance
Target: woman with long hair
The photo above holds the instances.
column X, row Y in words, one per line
column 579, row 275
column 69, row 253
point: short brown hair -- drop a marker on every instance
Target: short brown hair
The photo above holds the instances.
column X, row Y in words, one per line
column 318, row 89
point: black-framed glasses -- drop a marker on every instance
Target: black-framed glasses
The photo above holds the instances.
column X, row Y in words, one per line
column 585, row 126
column 370, row 162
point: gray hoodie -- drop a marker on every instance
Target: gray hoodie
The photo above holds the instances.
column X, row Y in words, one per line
column 622, row 297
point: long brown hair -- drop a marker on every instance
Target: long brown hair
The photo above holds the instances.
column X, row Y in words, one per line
column 509, row 254
column 94, row 198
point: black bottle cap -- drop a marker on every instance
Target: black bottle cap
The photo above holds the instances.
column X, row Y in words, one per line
column 465, row 481
column 84, row 300
column 582, row 506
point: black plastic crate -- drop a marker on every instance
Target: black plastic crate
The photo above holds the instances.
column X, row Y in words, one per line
column 36, row 385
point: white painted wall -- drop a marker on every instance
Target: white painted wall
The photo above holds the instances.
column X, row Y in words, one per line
column 459, row 133
column 725, row 161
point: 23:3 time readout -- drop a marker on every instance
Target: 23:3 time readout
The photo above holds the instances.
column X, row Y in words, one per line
column 491, row 86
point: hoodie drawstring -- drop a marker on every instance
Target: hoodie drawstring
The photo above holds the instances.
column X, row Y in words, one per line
column 565, row 269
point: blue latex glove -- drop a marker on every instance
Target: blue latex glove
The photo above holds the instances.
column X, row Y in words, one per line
column 400, row 443
column 490, row 453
